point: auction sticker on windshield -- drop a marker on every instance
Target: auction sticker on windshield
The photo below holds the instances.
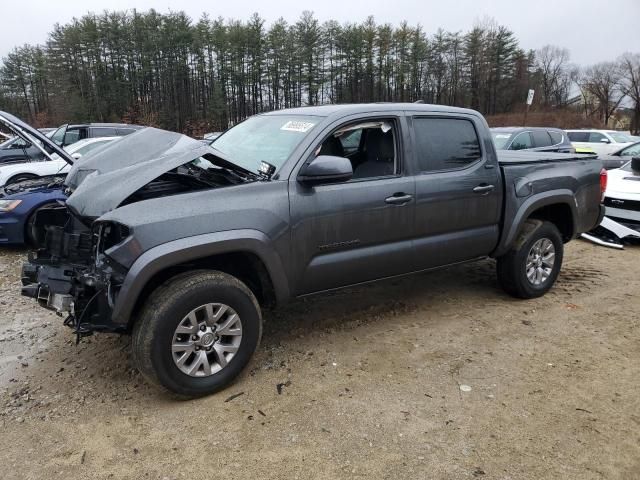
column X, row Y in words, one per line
column 295, row 126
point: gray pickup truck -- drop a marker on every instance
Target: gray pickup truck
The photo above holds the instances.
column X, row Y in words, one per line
column 181, row 244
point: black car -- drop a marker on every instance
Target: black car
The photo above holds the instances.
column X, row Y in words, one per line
column 68, row 134
column 539, row 139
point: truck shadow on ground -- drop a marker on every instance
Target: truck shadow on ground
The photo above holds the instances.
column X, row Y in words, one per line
column 355, row 306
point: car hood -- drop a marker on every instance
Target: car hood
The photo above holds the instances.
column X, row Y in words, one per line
column 121, row 168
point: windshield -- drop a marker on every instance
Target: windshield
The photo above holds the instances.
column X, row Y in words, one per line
column 620, row 137
column 501, row 139
column 268, row 138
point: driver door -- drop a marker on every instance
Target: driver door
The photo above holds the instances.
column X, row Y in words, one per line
column 359, row 230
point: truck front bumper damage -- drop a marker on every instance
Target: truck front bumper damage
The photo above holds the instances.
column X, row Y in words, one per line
column 69, row 276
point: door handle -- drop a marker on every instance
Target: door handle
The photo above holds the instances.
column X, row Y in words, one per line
column 483, row 188
column 399, row 199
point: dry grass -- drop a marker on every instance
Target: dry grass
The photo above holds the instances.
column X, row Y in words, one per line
column 556, row 118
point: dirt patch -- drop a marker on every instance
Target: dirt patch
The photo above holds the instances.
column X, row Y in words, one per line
column 438, row 375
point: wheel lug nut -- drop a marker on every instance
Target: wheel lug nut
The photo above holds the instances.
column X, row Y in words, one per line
column 194, row 337
column 203, row 328
column 197, row 348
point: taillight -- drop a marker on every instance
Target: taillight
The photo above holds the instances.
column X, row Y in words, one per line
column 603, row 183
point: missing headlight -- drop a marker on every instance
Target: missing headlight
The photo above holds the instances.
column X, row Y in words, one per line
column 110, row 234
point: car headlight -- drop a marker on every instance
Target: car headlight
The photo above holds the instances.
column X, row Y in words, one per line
column 8, row 205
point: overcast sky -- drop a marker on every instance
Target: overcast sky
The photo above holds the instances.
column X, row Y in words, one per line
column 593, row 30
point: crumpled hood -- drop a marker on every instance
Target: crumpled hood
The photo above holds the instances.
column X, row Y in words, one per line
column 103, row 179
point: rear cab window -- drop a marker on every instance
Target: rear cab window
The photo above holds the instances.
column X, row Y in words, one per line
column 445, row 143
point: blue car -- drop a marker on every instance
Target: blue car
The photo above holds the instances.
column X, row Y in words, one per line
column 19, row 202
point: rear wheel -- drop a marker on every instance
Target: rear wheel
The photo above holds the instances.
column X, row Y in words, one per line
column 531, row 268
column 197, row 332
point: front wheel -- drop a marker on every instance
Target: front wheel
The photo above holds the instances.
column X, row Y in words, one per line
column 532, row 266
column 197, row 332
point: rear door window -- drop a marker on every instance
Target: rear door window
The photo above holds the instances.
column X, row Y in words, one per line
column 541, row 138
column 522, row 142
column 125, row 131
column 103, row 132
column 556, row 137
column 578, row 136
column 445, row 143
column 72, row 135
column 596, row 137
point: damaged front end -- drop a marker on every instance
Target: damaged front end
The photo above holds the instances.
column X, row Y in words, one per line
column 621, row 224
column 70, row 274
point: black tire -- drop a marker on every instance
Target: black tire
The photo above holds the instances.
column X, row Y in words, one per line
column 20, row 178
column 166, row 308
column 512, row 267
column 29, row 233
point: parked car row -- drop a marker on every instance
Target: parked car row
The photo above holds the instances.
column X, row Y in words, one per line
column 613, row 148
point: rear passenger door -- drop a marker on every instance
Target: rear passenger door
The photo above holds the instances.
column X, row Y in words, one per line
column 458, row 190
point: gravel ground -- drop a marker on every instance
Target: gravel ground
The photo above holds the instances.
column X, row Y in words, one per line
column 437, row 376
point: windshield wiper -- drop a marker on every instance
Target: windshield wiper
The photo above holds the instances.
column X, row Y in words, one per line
column 220, row 161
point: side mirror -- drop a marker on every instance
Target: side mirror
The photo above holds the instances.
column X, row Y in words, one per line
column 76, row 155
column 635, row 164
column 326, row 169
column 604, row 140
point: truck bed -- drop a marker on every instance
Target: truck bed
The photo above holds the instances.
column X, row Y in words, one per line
column 519, row 157
column 532, row 179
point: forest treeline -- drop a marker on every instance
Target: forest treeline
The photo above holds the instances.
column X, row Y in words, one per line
column 167, row 70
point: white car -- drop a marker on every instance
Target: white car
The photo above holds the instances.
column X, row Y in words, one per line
column 602, row 142
column 17, row 172
column 622, row 207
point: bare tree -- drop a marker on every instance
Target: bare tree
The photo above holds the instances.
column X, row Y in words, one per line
column 601, row 85
column 552, row 66
column 630, row 71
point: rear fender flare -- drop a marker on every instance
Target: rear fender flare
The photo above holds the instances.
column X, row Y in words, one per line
column 188, row 249
column 565, row 197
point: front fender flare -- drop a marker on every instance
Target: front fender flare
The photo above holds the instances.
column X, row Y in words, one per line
column 188, row 249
